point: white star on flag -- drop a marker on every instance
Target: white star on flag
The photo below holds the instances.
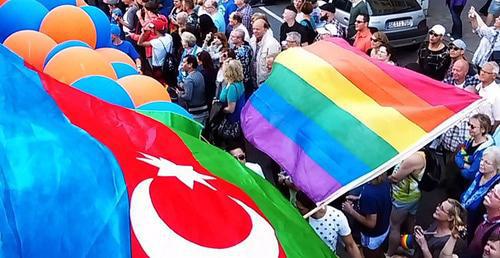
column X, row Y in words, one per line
column 185, row 174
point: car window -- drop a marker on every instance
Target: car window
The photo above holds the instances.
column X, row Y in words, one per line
column 344, row 5
column 383, row 7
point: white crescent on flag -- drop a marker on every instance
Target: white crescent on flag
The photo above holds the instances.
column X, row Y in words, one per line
column 157, row 239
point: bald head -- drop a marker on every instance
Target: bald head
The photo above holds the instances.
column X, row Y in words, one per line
column 259, row 28
column 459, row 70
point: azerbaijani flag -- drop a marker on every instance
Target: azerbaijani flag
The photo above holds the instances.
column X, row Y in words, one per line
column 334, row 118
column 80, row 177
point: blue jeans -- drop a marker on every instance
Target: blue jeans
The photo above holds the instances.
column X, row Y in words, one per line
column 456, row 29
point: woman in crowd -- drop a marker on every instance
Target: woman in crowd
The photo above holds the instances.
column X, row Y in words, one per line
column 330, row 224
column 189, row 48
column 485, row 180
column 307, row 22
column 406, row 196
column 469, row 156
column 207, row 27
column 214, row 45
column 176, row 10
column 384, row 54
column 378, row 39
column 206, row 67
column 450, row 216
column 232, row 96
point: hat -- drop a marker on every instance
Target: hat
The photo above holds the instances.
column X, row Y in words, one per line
column 438, row 29
column 159, row 23
column 291, row 8
column 459, row 43
column 113, row 2
column 115, row 30
column 329, row 7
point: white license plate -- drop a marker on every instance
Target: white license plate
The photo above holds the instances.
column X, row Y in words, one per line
column 399, row 24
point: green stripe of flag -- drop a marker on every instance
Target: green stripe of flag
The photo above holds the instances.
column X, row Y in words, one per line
column 175, row 121
column 294, row 233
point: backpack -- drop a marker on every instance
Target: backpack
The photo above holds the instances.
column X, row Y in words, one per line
column 434, row 166
column 169, row 68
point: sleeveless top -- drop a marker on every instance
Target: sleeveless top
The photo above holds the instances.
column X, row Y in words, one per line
column 406, row 190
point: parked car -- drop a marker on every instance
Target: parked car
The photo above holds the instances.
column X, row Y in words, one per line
column 403, row 21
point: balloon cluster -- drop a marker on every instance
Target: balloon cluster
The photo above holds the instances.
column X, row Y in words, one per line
column 71, row 41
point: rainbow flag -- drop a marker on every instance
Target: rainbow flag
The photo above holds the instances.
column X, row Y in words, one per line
column 334, row 118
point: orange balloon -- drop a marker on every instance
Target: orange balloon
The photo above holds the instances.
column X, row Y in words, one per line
column 32, row 46
column 67, row 22
column 143, row 89
column 115, row 55
column 80, row 3
column 74, row 63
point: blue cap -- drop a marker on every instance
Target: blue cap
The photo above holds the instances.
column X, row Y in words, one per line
column 115, row 30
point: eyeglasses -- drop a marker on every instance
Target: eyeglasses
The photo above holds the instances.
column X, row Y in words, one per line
column 375, row 40
column 240, row 157
column 452, row 47
column 434, row 34
column 440, row 206
column 358, row 21
column 471, row 126
column 487, row 162
column 486, row 72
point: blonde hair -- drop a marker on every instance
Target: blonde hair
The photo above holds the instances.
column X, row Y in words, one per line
column 381, row 36
column 458, row 215
column 233, row 71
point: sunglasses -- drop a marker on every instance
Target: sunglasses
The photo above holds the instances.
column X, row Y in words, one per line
column 240, row 157
column 357, row 21
column 434, row 34
column 452, row 47
column 471, row 126
column 375, row 40
column 441, row 207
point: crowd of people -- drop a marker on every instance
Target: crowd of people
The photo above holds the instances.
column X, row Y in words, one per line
column 211, row 55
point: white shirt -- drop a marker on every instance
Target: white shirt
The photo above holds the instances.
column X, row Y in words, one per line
column 330, row 226
column 161, row 46
column 491, row 106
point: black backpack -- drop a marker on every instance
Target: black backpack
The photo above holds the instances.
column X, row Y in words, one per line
column 434, row 165
column 169, row 68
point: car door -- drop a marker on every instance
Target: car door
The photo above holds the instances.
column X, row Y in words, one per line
column 342, row 12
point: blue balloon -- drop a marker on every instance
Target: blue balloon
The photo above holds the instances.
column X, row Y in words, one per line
column 51, row 4
column 61, row 46
column 101, row 24
column 105, row 89
column 20, row 15
column 123, row 69
column 165, row 106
